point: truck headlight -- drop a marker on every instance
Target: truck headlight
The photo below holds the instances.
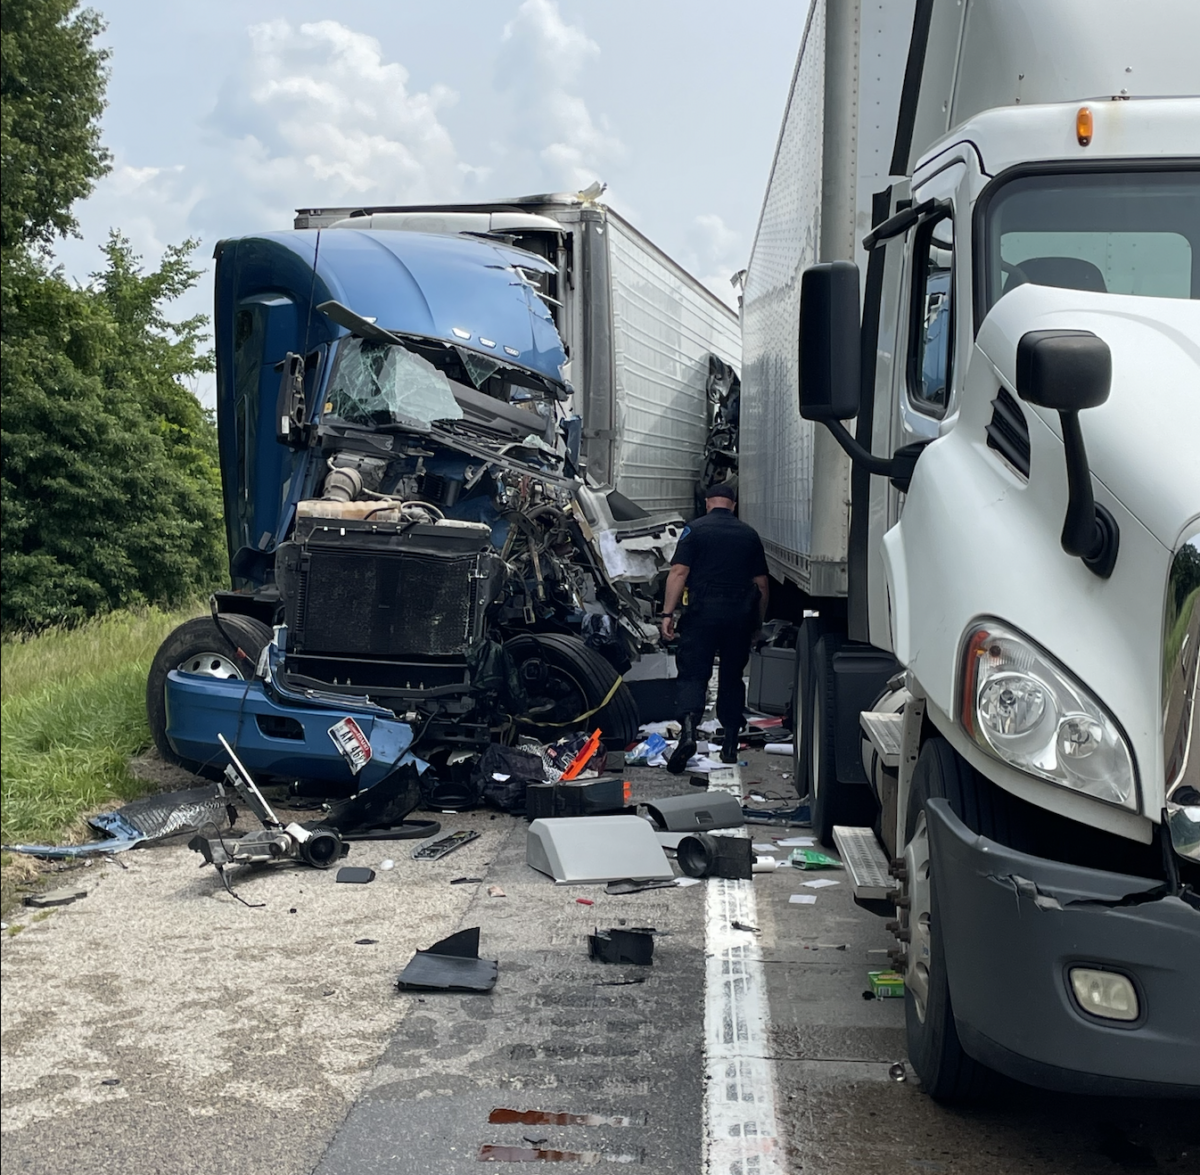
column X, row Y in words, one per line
column 1023, row 708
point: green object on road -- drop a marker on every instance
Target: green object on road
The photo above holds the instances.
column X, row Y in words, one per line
column 886, row 985
column 813, row 859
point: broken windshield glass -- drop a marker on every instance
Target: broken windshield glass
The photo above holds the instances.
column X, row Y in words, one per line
column 383, row 383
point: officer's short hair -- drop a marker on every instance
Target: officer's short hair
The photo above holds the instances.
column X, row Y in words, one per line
column 721, row 490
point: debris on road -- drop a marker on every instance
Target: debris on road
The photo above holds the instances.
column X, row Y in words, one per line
column 437, row 849
column 886, row 984
column 355, row 875
column 616, row 945
column 803, row 858
column 503, row 1117
column 453, row 964
column 596, row 849
column 703, row 855
column 63, row 896
column 803, row 899
column 495, row 891
column 693, row 812
column 143, row 822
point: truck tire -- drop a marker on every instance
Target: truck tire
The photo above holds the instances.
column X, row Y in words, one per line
column 947, row 1074
column 201, row 646
column 812, row 628
column 566, row 681
column 832, row 801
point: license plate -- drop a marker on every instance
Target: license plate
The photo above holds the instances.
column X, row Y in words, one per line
column 353, row 745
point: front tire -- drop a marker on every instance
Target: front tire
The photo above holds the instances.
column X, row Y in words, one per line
column 946, row 1072
column 572, row 687
column 201, row 647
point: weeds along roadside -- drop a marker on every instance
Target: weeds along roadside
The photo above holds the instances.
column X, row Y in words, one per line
column 72, row 712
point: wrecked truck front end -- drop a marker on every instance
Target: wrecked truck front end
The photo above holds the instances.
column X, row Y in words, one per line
column 403, row 499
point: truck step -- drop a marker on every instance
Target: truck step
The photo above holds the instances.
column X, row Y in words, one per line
column 883, row 729
column 865, row 861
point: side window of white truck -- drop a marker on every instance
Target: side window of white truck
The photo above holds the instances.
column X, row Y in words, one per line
column 931, row 318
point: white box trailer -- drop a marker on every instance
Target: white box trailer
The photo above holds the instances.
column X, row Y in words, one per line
column 639, row 331
column 970, row 420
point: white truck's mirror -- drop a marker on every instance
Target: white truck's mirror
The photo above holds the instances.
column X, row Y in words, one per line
column 829, row 342
column 1067, row 371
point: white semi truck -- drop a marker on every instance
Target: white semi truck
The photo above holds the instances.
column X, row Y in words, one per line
column 983, row 255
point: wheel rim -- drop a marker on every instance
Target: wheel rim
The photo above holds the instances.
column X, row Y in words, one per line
column 920, row 953
column 552, row 686
column 209, row 664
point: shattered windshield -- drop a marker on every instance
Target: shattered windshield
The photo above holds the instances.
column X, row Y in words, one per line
column 383, row 383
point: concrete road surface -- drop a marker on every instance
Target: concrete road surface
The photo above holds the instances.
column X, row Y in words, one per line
column 158, row 1026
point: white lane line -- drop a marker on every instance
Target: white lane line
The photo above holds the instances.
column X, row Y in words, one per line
column 741, row 1136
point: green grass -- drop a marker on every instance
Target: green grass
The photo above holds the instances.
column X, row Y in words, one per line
column 72, row 712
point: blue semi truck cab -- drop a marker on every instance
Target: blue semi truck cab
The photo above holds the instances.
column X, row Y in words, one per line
column 413, row 557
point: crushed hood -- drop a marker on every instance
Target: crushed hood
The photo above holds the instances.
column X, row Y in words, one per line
column 1142, row 443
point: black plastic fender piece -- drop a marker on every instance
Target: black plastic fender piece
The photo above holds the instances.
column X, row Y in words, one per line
column 702, row 855
column 355, row 875
column 617, row 945
column 453, row 964
column 696, row 812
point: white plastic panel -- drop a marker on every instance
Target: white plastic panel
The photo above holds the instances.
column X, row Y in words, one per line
column 665, row 326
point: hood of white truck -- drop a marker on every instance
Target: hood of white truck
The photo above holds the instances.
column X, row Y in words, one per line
column 1143, row 445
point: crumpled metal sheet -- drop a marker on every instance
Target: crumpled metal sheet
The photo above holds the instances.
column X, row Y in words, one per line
column 142, row 822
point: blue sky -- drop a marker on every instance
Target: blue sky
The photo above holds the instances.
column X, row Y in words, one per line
column 225, row 116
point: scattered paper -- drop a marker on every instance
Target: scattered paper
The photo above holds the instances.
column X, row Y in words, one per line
column 500, row 778
column 764, row 848
column 711, row 726
column 803, row 899
column 820, row 883
column 494, row 891
column 797, row 842
column 683, row 881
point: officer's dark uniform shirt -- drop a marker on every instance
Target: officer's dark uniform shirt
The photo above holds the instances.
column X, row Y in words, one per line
column 724, row 556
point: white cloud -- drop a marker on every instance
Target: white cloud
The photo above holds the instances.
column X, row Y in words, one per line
column 541, row 64
column 315, row 115
column 715, row 253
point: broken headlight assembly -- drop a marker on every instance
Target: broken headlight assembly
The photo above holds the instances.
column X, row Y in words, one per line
column 1023, row 708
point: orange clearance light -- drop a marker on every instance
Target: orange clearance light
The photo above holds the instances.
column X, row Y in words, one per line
column 1083, row 126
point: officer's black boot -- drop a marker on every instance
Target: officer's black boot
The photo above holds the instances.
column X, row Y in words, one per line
column 686, row 748
column 729, row 746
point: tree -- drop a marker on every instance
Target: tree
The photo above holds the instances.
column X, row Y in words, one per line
column 110, row 485
column 52, row 82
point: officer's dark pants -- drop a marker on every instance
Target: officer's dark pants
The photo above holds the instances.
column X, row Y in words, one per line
column 700, row 640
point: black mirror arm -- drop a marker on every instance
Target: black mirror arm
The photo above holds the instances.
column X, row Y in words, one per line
column 855, row 451
column 1089, row 531
column 898, row 467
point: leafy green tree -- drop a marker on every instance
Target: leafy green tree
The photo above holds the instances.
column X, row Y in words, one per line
column 110, row 484
column 109, row 487
column 52, row 81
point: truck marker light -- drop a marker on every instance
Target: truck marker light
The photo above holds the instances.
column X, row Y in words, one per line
column 1083, row 126
column 1105, row 993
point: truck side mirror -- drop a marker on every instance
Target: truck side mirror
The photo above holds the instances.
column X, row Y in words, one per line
column 829, row 341
column 1068, row 371
column 1064, row 370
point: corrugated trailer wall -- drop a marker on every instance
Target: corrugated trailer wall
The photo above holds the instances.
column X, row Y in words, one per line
column 776, row 451
column 665, row 326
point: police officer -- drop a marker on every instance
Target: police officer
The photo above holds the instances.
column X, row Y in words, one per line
column 720, row 560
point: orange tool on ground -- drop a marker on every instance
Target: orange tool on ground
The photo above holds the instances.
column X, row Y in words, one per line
column 584, row 757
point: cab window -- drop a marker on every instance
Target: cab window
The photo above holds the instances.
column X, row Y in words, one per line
column 931, row 318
